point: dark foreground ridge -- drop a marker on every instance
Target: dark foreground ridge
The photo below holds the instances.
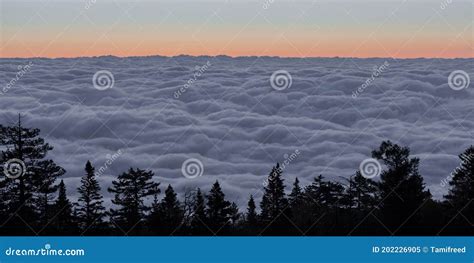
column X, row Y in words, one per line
column 33, row 201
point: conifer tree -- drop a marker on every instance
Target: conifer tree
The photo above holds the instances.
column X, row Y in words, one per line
column 199, row 217
column 462, row 183
column 168, row 216
column 234, row 214
column 273, row 201
column 314, row 193
column 90, row 209
column 131, row 189
column 361, row 193
column 217, row 208
column 3, row 200
column 296, row 200
column 251, row 216
column 64, row 222
column 200, row 206
column 398, row 202
column 461, row 192
column 322, row 201
column 359, row 203
column 296, row 196
column 47, row 173
column 401, row 187
column 22, row 151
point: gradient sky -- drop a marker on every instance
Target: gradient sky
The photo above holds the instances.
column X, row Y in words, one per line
column 439, row 28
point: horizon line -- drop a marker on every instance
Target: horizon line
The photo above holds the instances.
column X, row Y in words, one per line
column 230, row 56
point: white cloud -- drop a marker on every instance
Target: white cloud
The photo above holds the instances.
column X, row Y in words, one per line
column 235, row 123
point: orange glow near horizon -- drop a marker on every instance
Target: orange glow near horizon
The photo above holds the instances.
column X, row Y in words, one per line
column 326, row 29
column 283, row 48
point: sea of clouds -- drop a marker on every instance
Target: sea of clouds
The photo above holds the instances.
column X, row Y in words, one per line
column 226, row 113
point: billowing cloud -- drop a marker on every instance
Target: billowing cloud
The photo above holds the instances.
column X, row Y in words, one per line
column 162, row 111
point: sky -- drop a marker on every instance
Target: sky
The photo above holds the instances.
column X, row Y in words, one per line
column 400, row 29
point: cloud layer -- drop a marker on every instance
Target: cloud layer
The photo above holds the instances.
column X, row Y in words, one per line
column 223, row 111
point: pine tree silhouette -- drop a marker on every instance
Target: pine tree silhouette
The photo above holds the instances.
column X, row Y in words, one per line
column 47, row 173
column 461, row 193
column 360, row 199
column 217, row 209
column 64, row 222
column 296, row 200
column 361, row 193
column 398, row 202
column 251, row 216
column 323, row 200
column 251, row 225
column 273, row 200
column 274, row 204
column 314, row 203
column 401, row 188
column 90, row 209
column 4, row 202
column 131, row 189
column 296, row 196
column 234, row 215
column 26, row 150
column 168, row 215
column 199, row 216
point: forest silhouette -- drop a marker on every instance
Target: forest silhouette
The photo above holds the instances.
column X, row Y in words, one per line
column 36, row 202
